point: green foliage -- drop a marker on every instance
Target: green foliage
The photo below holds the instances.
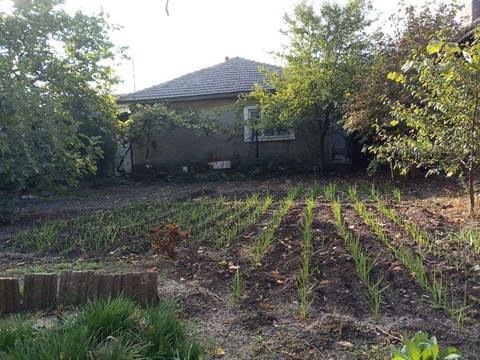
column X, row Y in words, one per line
column 264, row 240
column 147, row 121
column 103, row 318
column 363, row 264
column 423, row 348
column 13, row 329
column 122, row 331
column 413, row 27
column 330, row 192
column 58, row 119
column 437, row 128
column 166, row 337
column 305, row 288
column 236, row 286
column 326, row 47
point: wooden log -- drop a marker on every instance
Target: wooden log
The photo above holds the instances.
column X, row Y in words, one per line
column 74, row 287
column 141, row 287
column 40, row 291
column 9, row 295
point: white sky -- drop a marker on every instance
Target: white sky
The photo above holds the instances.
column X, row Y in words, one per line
column 197, row 34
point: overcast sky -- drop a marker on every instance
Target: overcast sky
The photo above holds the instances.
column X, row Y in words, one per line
column 197, row 34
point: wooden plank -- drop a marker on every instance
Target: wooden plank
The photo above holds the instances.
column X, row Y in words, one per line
column 40, row 291
column 74, row 287
column 9, row 295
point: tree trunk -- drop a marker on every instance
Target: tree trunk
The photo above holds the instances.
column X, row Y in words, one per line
column 471, row 191
column 323, row 124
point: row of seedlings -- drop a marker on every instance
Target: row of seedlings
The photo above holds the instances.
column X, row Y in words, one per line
column 426, row 244
column 363, row 264
column 241, row 220
column 436, row 286
column 305, row 287
column 96, row 231
column 265, row 239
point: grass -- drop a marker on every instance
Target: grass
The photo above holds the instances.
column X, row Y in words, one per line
column 363, row 264
column 440, row 295
column 305, row 297
column 265, row 239
column 107, row 329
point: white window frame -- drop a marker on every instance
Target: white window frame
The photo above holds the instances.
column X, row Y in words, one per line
column 247, row 133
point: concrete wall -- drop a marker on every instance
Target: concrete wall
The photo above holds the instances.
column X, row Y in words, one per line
column 183, row 147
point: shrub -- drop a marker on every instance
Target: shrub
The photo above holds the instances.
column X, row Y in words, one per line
column 12, row 329
column 104, row 318
column 423, row 348
column 166, row 337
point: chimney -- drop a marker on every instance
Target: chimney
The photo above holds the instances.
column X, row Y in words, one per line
column 227, row 58
column 472, row 11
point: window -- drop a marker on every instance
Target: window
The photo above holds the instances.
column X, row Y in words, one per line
column 251, row 114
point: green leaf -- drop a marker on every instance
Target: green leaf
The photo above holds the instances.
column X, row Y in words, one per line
column 452, row 47
column 407, row 66
column 434, row 46
column 394, row 122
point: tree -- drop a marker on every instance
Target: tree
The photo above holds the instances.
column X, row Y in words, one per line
column 325, row 50
column 413, row 27
column 56, row 115
column 438, row 128
column 146, row 120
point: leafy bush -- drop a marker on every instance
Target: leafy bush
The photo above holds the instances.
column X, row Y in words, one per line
column 423, row 348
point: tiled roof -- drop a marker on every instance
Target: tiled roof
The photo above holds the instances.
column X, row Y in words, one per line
column 232, row 77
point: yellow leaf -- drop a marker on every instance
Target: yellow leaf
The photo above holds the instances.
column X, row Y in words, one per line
column 219, row 352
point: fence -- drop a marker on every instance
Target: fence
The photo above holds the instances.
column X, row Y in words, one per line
column 43, row 291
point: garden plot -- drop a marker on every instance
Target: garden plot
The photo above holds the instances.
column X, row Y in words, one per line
column 316, row 271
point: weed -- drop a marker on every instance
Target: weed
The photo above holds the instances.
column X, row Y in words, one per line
column 236, row 287
column 466, row 238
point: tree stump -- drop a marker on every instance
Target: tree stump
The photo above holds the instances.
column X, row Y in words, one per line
column 9, row 296
column 40, row 291
column 75, row 287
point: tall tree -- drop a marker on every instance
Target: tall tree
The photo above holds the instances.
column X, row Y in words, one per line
column 438, row 128
column 326, row 47
column 412, row 28
column 56, row 115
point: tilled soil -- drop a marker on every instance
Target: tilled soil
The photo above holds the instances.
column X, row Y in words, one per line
column 264, row 324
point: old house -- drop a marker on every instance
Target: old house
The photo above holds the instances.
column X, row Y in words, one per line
column 215, row 88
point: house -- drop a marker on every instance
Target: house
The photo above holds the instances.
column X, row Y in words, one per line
column 215, row 88
column 472, row 20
